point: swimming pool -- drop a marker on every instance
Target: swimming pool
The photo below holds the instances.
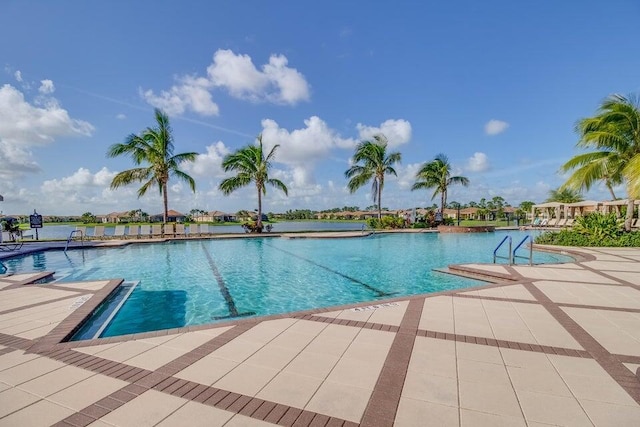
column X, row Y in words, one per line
column 203, row 281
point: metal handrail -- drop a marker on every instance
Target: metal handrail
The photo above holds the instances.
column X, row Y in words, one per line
column 495, row 251
column 71, row 237
column 5, row 268
column 514, row 256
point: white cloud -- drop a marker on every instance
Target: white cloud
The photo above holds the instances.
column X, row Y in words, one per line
column 303, row 146
column 46, row 87
column 407, row 175
column 190, row 93
column 398, row 132
column 494, row 127
column 18, row 75
column 209, row 164
column 121, row 116
column 24, row 125
column 276, row 82
column 479, row 162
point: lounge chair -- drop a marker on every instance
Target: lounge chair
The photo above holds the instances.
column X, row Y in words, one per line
column 536, row 222
column 635, row 223
column 552, row 222
column 81, row 233
column 145, row 231
column 543, row 223
column 156, row 230
column 569, row 222
column 179, row 231
column 561, row 222
column 133, row 231
column 204, row 230
column 118, row 233
column 98, row 232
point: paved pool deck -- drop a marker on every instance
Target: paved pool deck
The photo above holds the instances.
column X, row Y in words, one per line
column 543, row 345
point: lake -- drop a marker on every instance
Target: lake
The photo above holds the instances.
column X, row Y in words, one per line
column 63, row 231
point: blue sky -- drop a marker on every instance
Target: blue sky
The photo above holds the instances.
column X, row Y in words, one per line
column 496, row 86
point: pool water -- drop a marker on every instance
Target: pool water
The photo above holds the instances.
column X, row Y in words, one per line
column 203, row 281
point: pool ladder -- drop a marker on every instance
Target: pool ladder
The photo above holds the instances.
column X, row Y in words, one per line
column 71, row 236
column 513, row 254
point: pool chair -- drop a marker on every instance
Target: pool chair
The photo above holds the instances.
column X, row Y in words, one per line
column 543, row 223
column 204, row 230
column 98, row 232
column 635, row 223
column 133, row 231
column 145, row 231
column 561, row 222
column 118, row 233
column 569, row 222
column 156, row 230
column 552, row 222
column 80, row 232
column 179, row 232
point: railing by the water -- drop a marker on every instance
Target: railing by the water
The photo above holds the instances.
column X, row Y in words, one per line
column 495, row 251
column 71, row 236
column 3, row 268
column 530, row 257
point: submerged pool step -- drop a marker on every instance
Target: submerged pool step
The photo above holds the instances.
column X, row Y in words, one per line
column 100, row 319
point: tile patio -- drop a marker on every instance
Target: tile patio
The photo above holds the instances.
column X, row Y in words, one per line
column 542, row 345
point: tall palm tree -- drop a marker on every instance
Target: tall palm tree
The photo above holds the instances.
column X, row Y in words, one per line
column 155, row 147
column 371, row 163
column 437, row 174
column 615, row 134
column 251, row 165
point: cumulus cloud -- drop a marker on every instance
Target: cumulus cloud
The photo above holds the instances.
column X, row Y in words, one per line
column 275, row 82
column 46, row 87
column 407, row 175
column 209, row 164
column 18, row 75
column 494, row 127
column 24, row 125
column 479, row 162
column 303, row 146
column 190, row 93
column 398, row 132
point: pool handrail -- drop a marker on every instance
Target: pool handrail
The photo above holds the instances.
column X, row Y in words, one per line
column 4, row 267
column 495, row 251
column 530, row 257
column 71, row 235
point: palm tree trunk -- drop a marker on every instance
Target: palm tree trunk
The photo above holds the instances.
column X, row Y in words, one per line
column 259, row 222
column 629, row 217
column 443, row 201
column 379, row 202
column 166, row 201
column 613, row 195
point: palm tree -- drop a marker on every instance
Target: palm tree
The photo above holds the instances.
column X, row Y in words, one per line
column 564, row 195
column 437, row 174
column 155, row 147
column 251, row 165
column 371, row 163
column 615, row 134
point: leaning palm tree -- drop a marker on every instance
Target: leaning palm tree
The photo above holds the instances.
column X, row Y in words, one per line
column 615, row 135
column 371, row 163
column 155, row 147
column 251, row 165
column 437, row 175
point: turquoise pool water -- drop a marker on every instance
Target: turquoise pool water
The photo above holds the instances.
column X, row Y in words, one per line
column 202, row 281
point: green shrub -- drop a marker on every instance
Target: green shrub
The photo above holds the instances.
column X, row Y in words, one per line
column 594, row 229
column 387, row 222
